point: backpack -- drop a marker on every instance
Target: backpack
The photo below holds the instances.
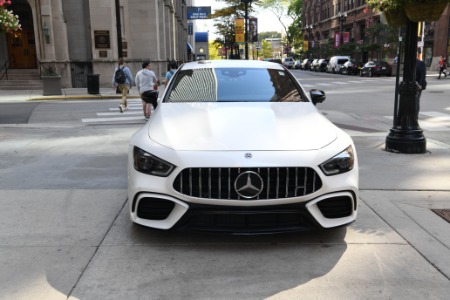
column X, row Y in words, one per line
column 120, row 76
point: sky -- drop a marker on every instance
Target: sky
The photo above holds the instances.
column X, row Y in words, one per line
column 267, row 21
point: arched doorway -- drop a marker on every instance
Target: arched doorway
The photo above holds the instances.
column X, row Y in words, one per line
column 21, row 44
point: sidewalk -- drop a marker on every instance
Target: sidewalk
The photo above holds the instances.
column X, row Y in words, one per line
column 82, row 93
column 69, row 93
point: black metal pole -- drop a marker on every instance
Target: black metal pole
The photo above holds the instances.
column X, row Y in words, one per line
column 246, row 30
column 406, row 136
column 119, row 30
column 397, row 75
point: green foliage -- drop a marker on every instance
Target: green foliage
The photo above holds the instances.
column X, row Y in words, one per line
column 295, row 11
column 266, row 49
column 268, row 35
column 214, row 50
column 49, row 70
column 394, row 5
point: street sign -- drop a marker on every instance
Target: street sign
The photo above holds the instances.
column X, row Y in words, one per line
column 198, row 12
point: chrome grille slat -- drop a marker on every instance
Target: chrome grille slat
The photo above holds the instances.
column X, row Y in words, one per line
column 287, row 183
column 304, row 181
column 209, row 182
column 190, row 182
column 278, row 182
column 218, row 183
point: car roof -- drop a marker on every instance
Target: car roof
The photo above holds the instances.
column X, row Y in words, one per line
column 231, row 63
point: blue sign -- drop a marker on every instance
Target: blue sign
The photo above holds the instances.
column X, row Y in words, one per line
column 198, row 12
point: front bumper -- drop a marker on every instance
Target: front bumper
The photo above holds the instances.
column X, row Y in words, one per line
column 166, row 212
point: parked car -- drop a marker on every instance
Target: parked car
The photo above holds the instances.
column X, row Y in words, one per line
column 306, row 64
column 315, row 65
column 288, row 62
column 377, row 68
column 351, row 67
column 323, row 64
column 276, row 60
column 225, row 157
column 335, row 63
column 297, row 64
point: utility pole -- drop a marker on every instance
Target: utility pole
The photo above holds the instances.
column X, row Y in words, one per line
column 406, row 136
column 246, row 2
column 119, row 30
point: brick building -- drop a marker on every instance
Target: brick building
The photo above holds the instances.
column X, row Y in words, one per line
column 331, row 23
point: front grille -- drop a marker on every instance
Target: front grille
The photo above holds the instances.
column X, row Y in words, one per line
column 336, row 207
column 247, row 220
column 154, row 208
column 218, row 183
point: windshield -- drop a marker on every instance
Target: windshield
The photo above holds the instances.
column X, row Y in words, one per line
column 233, row 85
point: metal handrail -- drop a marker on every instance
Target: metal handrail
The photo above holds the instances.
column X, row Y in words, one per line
column 5, row 73
column 41, row 65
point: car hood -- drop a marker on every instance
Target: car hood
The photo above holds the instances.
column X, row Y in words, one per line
column 235, row 126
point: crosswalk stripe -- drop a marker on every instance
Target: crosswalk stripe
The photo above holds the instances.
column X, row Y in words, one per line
column 141, row 118
column 105, row 114
column 435, row 114
column 438, row 121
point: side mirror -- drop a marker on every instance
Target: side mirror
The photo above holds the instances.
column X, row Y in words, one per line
column 317, row 96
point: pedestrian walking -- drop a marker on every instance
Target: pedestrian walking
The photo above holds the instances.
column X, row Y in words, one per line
column 145, row 82
column 421, row 73
column 123, row 80
column 173, row 68
column 442, row 67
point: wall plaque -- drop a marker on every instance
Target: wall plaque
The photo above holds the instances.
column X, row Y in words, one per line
column 101, row 38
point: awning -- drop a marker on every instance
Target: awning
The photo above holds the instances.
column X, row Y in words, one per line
column 189, row 48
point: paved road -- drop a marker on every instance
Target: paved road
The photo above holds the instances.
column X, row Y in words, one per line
column 65, row 232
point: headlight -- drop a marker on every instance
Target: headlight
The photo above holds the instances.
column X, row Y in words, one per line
column 341, row 163
column 146, row 163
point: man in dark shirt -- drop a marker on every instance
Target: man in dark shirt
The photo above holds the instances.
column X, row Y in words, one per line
column 421, row 73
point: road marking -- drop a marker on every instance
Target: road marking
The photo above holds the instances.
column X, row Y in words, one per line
column 434, row 121
column 133, row 113
column 126, row 113
column 94, row 120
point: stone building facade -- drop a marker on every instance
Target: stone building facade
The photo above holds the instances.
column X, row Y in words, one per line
column 323, row 18
column 80, row 37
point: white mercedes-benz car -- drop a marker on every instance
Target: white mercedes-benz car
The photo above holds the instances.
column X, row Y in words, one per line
column 239, row 147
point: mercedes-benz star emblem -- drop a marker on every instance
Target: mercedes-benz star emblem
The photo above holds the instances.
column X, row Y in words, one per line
column 248, row 184
column 248, row 155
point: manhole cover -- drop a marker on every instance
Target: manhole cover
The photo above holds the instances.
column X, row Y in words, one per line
column 443, row 213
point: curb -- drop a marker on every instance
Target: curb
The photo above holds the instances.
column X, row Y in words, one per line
column 79, row 97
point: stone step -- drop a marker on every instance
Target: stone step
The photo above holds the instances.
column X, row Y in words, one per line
column 21, row 77
column 20, row 84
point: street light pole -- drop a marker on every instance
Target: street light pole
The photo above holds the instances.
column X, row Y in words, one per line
column 119, row 30
column 406, row 136
column 309, row 28
column 342, row 18
column 246, row 2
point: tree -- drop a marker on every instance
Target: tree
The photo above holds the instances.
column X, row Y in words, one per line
column 268, row 35
column 225, row 23
column 8, row 21
column 214, row 50
column 280, row 9
column 295, row 11
column 381, row 40
column 266, row 49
